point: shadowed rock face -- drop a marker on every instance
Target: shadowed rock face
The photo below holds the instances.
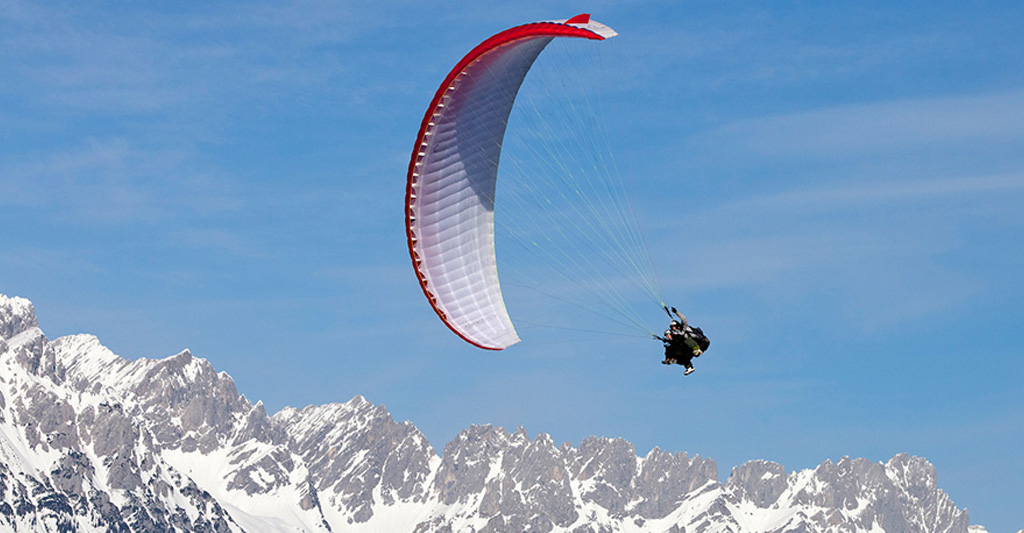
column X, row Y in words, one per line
column 93, row 442
column 759, row 482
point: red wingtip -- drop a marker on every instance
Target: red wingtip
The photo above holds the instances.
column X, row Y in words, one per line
column 583, row 18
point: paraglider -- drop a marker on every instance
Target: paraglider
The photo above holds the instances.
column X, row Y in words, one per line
column 450, row 198
column 682, row 342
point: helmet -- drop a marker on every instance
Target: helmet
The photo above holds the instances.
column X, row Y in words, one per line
column 674, row 324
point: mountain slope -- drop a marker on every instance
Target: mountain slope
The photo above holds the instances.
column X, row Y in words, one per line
column 90, row 441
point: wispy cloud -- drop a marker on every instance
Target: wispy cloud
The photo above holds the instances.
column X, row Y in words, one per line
column 150, row 60
column 871, row 194
column 84, row 63
column 220, row 240
column 874, row 253
column 114, row 180
column 878, row 127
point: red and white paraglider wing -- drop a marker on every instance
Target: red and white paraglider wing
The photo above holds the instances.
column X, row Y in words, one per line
column 450, row 189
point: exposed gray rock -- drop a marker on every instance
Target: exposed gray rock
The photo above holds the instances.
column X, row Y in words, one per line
column 666, row 480
column 609, row 465
column 466, row 461
column 17, row 315
column 93, row 442
column 759, row 482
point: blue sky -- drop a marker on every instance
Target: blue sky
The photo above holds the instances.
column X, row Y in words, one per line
column 845, row 180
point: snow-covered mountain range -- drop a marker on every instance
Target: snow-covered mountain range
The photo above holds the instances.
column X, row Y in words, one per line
column 90, row 441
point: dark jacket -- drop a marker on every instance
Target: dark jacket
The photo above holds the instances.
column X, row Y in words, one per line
column 680, row 344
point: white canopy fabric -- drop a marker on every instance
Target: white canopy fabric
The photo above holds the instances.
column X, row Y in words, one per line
column 452, row 175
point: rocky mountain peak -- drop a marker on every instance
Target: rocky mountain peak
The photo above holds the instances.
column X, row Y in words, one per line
column 90, row 441
column 760, row 482
column 16, row 316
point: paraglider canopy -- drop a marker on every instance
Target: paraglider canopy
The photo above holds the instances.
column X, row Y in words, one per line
column 449, row 206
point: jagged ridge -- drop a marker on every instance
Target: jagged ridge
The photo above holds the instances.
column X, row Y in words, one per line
column 90, row 441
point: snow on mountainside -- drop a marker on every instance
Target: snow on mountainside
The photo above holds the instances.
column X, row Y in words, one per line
column 90, row 441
